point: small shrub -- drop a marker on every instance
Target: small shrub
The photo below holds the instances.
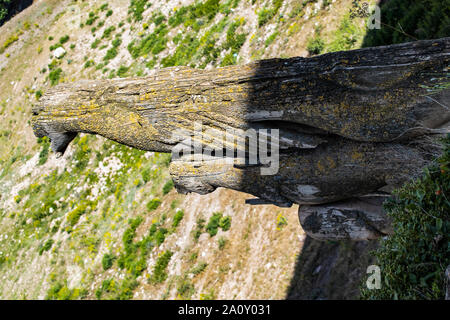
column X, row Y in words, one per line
column 413, row 260
column 222, row 242
column 160, row 236
column 107, row 261
column 225, row 223
column 159, row 270
column 185, row 288
column 199, row 268
column 43, row 155
column 107, row 33
column 46, row 246
column 63, row 39
column 10, row 41
column 95, row 44
column 281, row 221
column 153, row 204
column 74, row 216
column 38, row 94
column 271, row 38
column 55, row 76
column 88, row 64
column 167, row 187
column 177, row 218
column 122, row 71
column 213, row 224
column 110, row 54
column 60, row 291
column 146, row 175
column 315, row 45
column 137, row 8
column 264, row 15
column 199, row 229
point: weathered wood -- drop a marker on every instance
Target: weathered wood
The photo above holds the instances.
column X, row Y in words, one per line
column 350, row 122
column 356, row 219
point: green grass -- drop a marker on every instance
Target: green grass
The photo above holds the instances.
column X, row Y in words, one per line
column 60, row 291
column 315, row 45
column 122, row 71
column 159, row 273
column 199, row 268
column 137, row 8
column 46, row 246
column 177, row 218
column 55, row 76
column 168, row 186
column 43, row 155
column 153, row 43
column 346, row 37
column 153, row 204
column 266, row 14
column 107, row 261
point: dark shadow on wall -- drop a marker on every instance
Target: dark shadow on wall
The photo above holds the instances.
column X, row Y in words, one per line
column 9, row 8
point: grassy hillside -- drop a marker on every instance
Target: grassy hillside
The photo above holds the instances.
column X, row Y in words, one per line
column 104, row 222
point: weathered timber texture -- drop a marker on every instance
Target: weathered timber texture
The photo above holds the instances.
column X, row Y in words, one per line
column 358, row 219
column 351, row 123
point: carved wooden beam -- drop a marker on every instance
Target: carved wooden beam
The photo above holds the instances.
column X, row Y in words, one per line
column 350, row 123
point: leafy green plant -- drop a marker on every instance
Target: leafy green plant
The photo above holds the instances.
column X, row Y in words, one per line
column 413, row 260
column 266, row 14
column 167, row 187
column 46, row 246
column 107, row 261
column 55, row 76
column 199, row 268
column 199, row 228
column 38, row 94
column 74, row 216
column 315, row 45
column 185, row 288
column 137, row 8
column 63, row 39
column 271, row 38
column 159, row 270
column 122, row 71
column 222, row 242
column 225, row 223
column 108, row 31
column 104, row 6
column 95, row 44
column 213, row 224
column 153, row 204
column 177, row 218
column 153, row 43
column 60, row 291
column 43, row 155
column 347, row 36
